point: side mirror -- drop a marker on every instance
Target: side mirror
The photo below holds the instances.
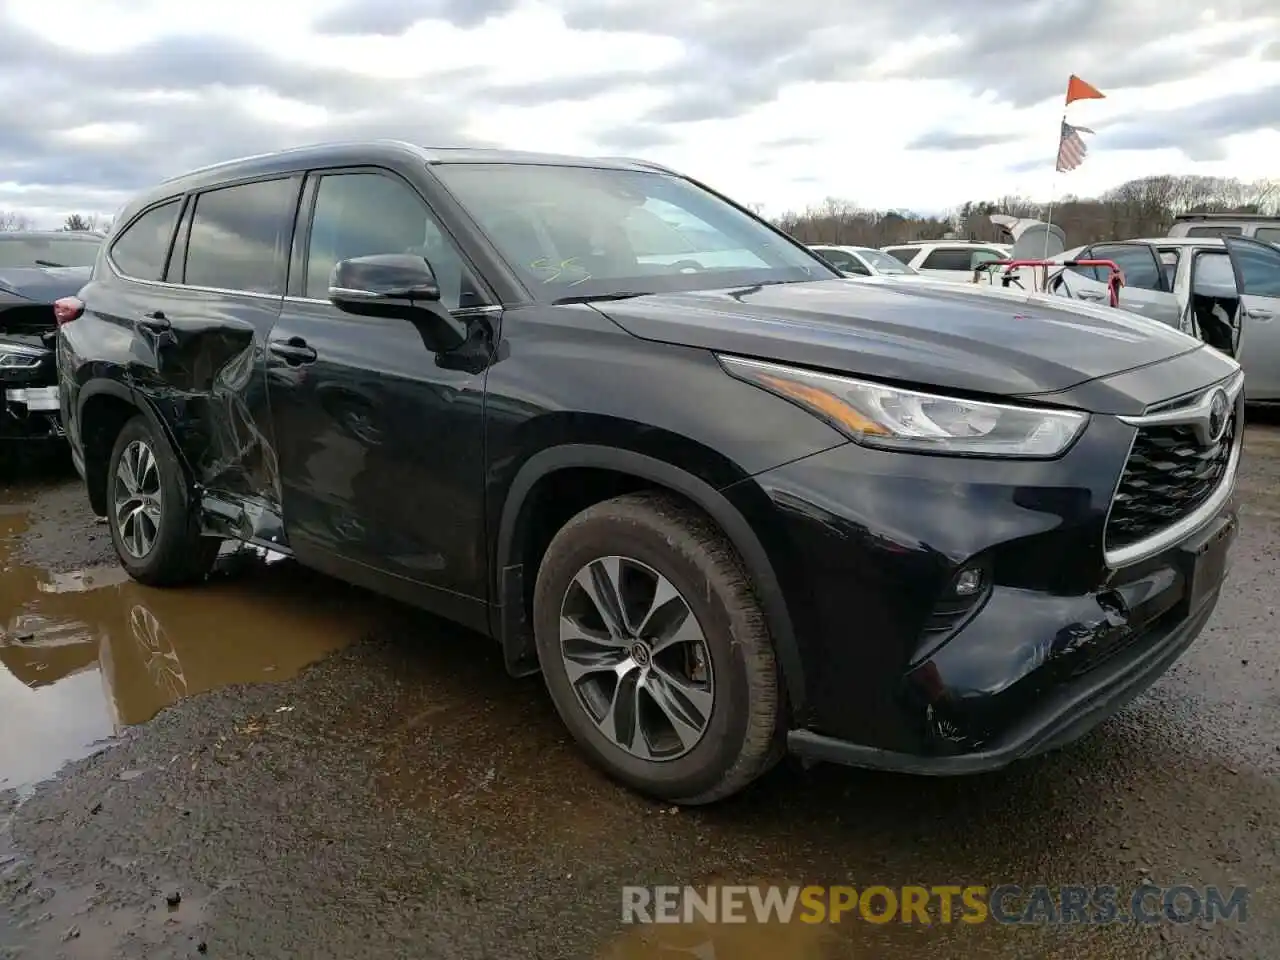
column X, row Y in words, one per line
column 398, row 285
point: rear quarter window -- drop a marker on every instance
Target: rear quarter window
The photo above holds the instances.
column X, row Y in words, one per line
column 902, row 254
column 140, row 250
column 1220, row 231
column 948, row 258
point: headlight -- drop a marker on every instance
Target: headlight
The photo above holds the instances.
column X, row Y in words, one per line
column 895, row 419
column 17, row 356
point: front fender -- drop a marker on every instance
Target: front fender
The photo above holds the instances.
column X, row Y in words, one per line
column 512, row 626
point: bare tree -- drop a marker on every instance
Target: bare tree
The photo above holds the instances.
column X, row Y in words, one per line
column 78, row 222
column 10, row 220
column 1139, row 208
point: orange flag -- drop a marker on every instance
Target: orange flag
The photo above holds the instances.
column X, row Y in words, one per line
column 1077, row 89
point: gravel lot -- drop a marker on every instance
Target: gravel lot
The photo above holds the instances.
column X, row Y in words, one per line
column 274, row 766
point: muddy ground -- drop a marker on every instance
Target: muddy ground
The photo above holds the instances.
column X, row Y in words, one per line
column 276, row 766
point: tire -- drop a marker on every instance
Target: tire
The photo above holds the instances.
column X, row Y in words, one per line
column 658, row 535
column 177, row 554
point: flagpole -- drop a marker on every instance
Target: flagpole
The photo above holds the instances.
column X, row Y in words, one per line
column 1053, row 192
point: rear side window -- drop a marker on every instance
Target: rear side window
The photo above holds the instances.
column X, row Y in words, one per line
column 1268, row 234
column 141, row 249
column 239, row 237
column 1223, row 231
column 837, row 258
column 902, row 254
column 948, row 258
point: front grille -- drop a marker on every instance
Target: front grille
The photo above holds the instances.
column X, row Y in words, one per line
column 1168, row 475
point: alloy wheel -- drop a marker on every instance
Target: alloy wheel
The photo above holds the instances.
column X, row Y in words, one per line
column 637, row 658
column 138, row 499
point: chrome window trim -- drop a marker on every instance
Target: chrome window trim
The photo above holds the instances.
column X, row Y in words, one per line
column 1196, row 410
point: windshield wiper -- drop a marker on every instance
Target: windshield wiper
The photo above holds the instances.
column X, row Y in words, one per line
column 591, row 297
column 49, row 263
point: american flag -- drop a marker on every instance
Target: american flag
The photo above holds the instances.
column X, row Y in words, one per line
column 1071, row 149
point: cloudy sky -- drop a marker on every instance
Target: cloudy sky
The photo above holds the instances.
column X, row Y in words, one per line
column 889, row 103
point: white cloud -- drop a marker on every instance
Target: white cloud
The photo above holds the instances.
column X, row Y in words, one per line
column 525, row 79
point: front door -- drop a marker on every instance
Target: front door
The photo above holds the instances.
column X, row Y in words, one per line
column 380, row 439
column 1256, row 267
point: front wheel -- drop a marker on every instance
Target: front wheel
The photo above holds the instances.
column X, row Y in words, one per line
column 655, row 650
column 154, row 523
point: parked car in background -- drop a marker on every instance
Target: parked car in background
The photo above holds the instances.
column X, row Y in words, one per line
column 36, row 269
column 1224, row 290
column 947, row 259
column 1256, row 226
column 726, row 511
column 862, row 261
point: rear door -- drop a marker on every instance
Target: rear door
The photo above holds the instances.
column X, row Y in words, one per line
column 226, row 283
column 1256, row 266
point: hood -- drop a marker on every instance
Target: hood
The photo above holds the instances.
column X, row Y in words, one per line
column 44, row 284
column 958, row 336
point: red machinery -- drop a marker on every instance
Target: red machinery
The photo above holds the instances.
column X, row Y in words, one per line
column 1115, row 280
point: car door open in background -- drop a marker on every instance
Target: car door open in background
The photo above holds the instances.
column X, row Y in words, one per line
column 1256, row 271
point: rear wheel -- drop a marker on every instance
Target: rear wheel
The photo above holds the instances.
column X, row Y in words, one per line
column 153, row 520
column 655, row 650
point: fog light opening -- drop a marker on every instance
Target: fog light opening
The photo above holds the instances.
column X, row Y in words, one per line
column 968, row 582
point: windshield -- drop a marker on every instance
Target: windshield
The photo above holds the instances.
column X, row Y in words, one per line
column 48, row 251
column 587, row 232
column 883, row 263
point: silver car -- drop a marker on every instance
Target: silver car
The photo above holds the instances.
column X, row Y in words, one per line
column 1225, row 290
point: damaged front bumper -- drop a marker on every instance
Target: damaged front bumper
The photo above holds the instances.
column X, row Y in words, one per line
column 28, row 393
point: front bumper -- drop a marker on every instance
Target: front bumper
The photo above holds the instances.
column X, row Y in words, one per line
column 29, row 404
column 899, row 675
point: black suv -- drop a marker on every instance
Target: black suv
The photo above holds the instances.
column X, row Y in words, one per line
column 37, row 269
column 729, row 503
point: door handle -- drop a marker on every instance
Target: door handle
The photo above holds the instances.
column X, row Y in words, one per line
column 1258, row 314
column 293, row 351
column 155, row 322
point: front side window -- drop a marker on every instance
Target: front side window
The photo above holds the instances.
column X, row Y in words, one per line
column 1135, row 261
column 239, row 237
column 582, row 231
column 141, row 249
column 365, row 214
column 1259, row 270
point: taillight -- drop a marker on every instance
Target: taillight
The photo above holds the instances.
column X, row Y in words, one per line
column 67, row 309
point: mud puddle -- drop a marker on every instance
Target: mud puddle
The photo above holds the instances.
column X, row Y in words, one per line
column 87, row 653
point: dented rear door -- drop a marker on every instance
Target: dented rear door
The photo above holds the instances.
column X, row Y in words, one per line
column 209, row 333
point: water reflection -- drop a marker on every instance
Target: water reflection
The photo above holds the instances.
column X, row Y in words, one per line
column 90, row 652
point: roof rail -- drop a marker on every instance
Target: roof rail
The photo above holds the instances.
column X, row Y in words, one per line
column 1183, row 217
column 649, row 164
